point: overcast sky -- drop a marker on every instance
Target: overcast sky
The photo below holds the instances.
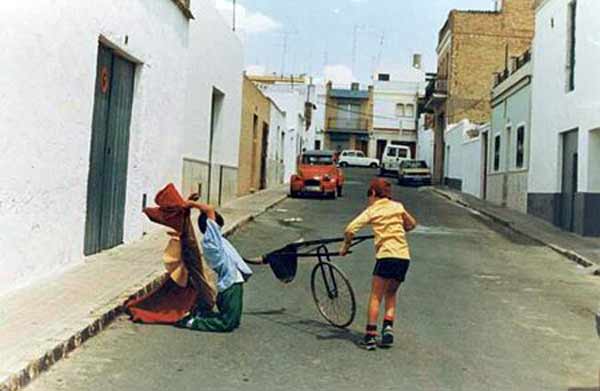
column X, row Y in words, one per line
column 320, row 33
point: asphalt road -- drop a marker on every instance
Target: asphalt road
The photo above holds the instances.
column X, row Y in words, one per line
column 482, row 309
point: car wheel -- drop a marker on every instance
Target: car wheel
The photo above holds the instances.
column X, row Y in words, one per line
column 381, row 172
column 294, row 194
column 343, row 164
column 339, row 191
column 373, row 165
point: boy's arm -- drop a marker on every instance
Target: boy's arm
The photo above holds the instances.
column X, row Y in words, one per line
column 408, row 221
column 356, row 225
column 207, row 209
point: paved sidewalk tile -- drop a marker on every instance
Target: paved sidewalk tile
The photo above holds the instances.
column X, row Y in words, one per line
column 583, row 250
column 40, row 324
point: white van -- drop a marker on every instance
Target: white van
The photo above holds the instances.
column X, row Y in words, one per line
column 392, row 156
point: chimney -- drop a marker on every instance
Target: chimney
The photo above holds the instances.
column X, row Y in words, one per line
column 417, row 61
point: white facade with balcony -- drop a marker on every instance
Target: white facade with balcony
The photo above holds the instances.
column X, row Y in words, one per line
column 395, row 95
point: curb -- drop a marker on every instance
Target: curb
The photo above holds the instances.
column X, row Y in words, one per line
column 105, row 317
column 569, row 254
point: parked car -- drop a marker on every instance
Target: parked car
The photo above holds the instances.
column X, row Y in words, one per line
column 317, row 174
column 392, row 156
column 414, row 172
column 357, row 158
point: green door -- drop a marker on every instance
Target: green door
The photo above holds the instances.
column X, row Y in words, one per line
column 107, row 179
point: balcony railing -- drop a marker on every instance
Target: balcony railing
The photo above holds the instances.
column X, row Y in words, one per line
column 436, row 87
column 348, row 124
column 517, row 63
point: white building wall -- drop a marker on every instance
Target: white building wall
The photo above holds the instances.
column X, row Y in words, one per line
column 554, row 110
column 425, row 146
column 275, row 169
column 49, row 55
column 290, row 100
column 463, row 157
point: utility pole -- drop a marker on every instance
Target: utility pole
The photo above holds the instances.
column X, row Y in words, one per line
column 234, row 8
column 286, row 35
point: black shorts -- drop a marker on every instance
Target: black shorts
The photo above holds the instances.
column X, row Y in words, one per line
column 392, row 268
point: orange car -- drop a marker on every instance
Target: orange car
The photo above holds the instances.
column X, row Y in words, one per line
column 317, row 174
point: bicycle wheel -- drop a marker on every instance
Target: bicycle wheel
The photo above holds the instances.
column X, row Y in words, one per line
column 333, row 294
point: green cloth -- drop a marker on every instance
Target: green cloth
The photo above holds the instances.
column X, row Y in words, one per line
column 229, row 304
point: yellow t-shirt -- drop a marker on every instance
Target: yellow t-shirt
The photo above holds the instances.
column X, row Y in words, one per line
column 386, row 218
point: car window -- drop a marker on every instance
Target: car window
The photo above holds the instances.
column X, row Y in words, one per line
column 403, row 152
column 314, row 160
column 414, row 164
column 350, row 154
column 393, row 152
column 360, row 154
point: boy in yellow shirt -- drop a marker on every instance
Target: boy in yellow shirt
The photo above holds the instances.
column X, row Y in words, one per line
column 390, row 223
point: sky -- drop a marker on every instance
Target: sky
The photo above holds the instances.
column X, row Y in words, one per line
column 317, row 37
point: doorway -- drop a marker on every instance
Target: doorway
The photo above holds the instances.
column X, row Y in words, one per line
column 215, row 122
column 109, row 152
column 381, row 144
column 484, row 171
column 570, row 141
column 264, row 156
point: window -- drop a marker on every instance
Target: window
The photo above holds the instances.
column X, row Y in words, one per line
column 403, row 153
column 571, row 45
column 400, row 110
column 392, row 152
column 497, row 153
column 360, row 154
column 383, row 77
column 520, row 147
column 317, row 160
column 410, row 111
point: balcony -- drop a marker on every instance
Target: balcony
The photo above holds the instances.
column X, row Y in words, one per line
column 347, row 125
column 436, row 92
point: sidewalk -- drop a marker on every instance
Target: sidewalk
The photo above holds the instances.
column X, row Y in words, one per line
column 41, row 324
column 585, row 251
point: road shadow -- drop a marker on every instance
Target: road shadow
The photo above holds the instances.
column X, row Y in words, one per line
column 320, row 330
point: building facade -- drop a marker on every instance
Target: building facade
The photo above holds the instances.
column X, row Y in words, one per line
column 105, row 122
column 464, row 156
column 395, row 109
column 349, row 118
column 507, row 144
column 472, row 45
column 294, row 96
column 254, row 139
column 276, row 147
column 564, row 175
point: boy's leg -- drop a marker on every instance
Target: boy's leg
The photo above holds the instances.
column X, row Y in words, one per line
column 387, row 330
column 229, row 303
column 391, row 292
column 377, row 290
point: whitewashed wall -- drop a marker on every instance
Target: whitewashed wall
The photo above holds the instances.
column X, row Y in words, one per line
column 276, row 143
column 554, row 110
column 48, row 57
column 292, row 102
column 425, row 146
column 463, row 157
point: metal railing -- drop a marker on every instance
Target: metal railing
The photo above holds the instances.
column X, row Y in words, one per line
column 334, row 123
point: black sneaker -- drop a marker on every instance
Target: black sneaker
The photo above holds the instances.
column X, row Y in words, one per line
column 370, row 342
column 387, row 337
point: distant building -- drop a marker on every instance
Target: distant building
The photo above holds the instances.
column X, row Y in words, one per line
column 507, row 144
column 564, row 174
column 396, row 96
column 349, row 118
column 295, row 96
column 254, row 139
column 472, row 45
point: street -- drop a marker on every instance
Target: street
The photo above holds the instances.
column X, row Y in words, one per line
column 482, row 309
